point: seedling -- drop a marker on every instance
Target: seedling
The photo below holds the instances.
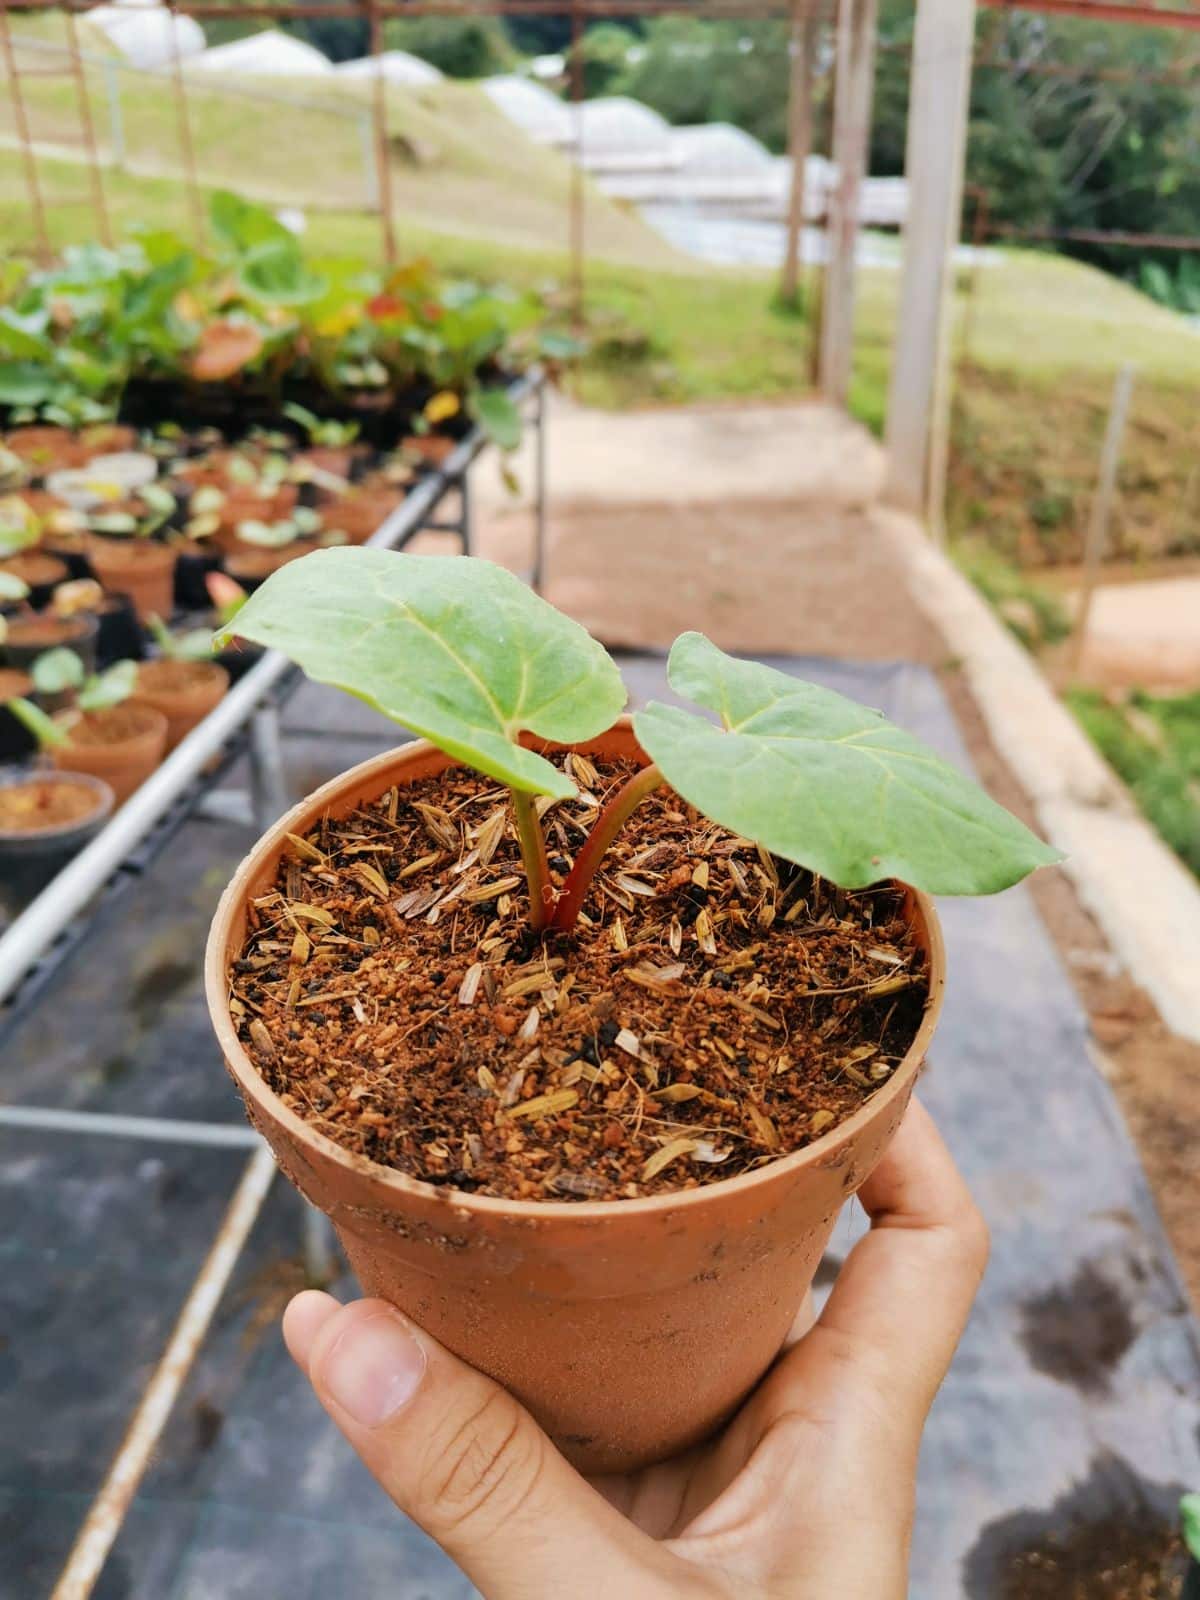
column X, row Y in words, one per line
column 59, row 671
column 19, row 529
column 227, row 597
column 322, row 430
column 194, row 645
column 1189, row 1512
column 463, row 653
column 160, row 505
column 13, row 590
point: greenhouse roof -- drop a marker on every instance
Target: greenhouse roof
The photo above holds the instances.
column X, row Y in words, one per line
column 143, row 32
column 718, row 149
column 615, row 124
column 266, row 54
column 399, row 67
column 540, row 113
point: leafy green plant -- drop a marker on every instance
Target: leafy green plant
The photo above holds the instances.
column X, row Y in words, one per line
column 13, row 590
column 19, row 527
column 1189, row 1512
column 463, row 653
column 194, row 645
column 322, row 430
column 59, row 672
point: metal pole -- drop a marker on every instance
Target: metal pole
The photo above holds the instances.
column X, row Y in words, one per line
column 116, row 122
column 576, row 220
column 466, row 513
column 800, row 121
column 268, row 783
column 1097, row 534
column 88, row 128
column 539, row 491
column 37, row 205
column 383, row 171
column 187, row 148
column 851, row 142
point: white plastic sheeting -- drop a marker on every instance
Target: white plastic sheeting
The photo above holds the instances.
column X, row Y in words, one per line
column 269, row 54
column 535, row 110
column 144, row 33
column 620, row 134
column 401, row 69
column 719, row 150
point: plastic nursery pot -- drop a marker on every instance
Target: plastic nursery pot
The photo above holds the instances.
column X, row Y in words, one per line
column 194, row 560
column 184, row 691
column 121, row 746
column 121, row 637
column 143, row 569
column 45, row 817
column 631, row 1328
column 40, row 571
column 30, row 637
column 16, row 742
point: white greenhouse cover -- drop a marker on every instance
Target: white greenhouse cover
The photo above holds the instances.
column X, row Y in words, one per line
column 269, row 54
column 719, row 150
column 542, row 115
column 399, row 67
column 615, row 125
column 142, row 31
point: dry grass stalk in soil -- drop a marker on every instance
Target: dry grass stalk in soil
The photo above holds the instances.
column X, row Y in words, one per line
column 714, row 1009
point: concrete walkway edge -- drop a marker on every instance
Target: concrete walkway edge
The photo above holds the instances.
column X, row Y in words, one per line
column 1146, row 902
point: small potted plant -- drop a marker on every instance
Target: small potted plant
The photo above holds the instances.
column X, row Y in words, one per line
column 15, row 739
column 332, row 446
column 226, row 599
column 261, row 548
column 126, row 556
column 185, row 683
column 582, row 1028
column 20, row 535
column 360, row 509
column 104, row 733
column 1190, row 1515
column 119, row 636
column 45, row 819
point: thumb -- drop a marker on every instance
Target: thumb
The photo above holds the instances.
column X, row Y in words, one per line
column 462, row 1458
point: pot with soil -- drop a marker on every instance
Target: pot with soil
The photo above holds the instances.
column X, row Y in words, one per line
column 46, row 448
column 39, row 571
column 29, row 637
column 45, row 819
column 16, row 742
column 184, row 691
column 361, row 511
column 121, row 745
column 141, row 568
column 584, row 1081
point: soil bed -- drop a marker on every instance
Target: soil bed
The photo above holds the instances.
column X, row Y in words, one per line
column 35, row 807
column 718, row 1008
column 116, row 725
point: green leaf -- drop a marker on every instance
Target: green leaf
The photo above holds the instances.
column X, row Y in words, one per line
column 239, row 225
column 1189, row 1511
column 276, row 273
column 48, row 734
column 454, row 648
column 498, row 417
column 26, row 383
column 12, row 587
column 56, row 671
column 825, row 782
column 109, row 688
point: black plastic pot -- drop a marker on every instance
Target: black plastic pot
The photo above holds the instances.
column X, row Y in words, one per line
column 120, row 637
column 237, row 661
column 191, row 570
column 16, row 742
column 80, row 634
column 75, row 561
column 28, row 861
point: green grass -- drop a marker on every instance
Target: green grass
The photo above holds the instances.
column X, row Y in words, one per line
column 1153, row 741
column 1035, row 615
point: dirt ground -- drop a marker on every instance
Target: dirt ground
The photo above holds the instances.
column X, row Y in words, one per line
column 810, row 577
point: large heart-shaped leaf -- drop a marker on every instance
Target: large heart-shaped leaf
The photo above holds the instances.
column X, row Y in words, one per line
column 456, row 649
column 498, row 417
column 828, row 783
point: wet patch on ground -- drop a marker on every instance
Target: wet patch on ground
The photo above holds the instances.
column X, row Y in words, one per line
column 1112, row 1537
column 1077, row 1332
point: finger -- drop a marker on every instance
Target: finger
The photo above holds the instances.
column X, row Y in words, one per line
column 306, row 1314
column 464, row 1460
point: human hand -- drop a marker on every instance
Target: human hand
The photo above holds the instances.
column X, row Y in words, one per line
column 807, row 1494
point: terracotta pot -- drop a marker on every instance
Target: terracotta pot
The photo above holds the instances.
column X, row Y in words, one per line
column 46, row 447
column 123, row 762
column 242, row 505
column 29, row 637
column 631, row 1328
column 106, row 439
column 41, row 572
column 141, row 568
column 432, row 448
column 252, row 564
column 29, row 858
column 184, row 691
column 360, row 512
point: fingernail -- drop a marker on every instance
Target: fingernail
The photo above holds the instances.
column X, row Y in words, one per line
column 375, row 1366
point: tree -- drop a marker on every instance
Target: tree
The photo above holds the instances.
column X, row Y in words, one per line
column 461, row 47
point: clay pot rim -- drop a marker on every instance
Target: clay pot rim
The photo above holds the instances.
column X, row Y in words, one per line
column 213, row 670
column 102, row 792
column 255, row 1088
column 154, row 723
column 79, row 629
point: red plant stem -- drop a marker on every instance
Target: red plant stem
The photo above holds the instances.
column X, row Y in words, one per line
column 608, row 824
column 533, row 855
